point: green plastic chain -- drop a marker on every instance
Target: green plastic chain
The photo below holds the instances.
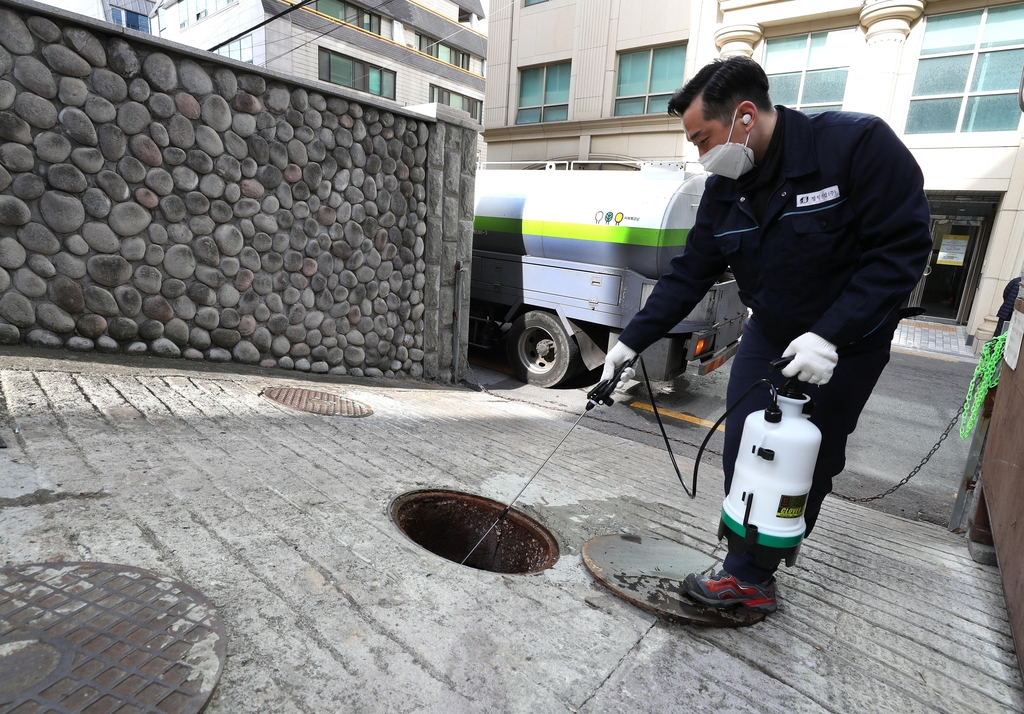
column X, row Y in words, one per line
column 986, row 376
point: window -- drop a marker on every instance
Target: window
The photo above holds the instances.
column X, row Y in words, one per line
column 350, row 14
column 135, row 21
column 527, row 3
column 647, row 79
column 809, row 72
column 968, row 72
column 190, row 11
column 544, row 94
column 434, row 48
column 161, row 21
column 129, row 19
column 457, row 101
column 240, row 49
column 356, row 74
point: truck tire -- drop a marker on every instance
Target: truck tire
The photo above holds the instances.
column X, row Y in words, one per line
column 540, row 351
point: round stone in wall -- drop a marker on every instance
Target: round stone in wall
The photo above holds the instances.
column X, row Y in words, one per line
column 65, row 61
column 13, row 211
column 160, row 71
column 129, row 219
column 109, row 270
column 133, row 118
column 54, row 319
column 86, row 44
column 35, row 110
column 17, row 310
column 179, row 262
column 78, row 125
column 216, row 113
column 123, row 59
column 35, row 76
column 62, row 212
column 194, row 78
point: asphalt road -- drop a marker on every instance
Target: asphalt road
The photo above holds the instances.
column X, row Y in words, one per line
column 915, row 400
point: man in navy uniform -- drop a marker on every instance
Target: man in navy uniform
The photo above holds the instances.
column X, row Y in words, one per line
column 823, row 221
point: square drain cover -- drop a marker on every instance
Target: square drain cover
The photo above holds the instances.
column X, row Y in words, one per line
column 322, row 403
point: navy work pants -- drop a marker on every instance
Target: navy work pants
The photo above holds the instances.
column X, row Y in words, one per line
column 837, row 406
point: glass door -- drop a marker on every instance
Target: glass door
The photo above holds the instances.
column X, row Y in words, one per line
column 949, row 277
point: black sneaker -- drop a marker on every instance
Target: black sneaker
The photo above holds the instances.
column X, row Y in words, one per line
column 723, row 591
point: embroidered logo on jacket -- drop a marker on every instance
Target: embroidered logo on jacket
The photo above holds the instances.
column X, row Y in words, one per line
column 810, row 199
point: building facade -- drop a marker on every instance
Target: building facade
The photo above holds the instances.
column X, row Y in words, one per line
column 133, row 14
column 587, row 81
column 408, row 52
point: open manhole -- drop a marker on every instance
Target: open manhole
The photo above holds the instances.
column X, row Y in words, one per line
column 96, row 637
column 449, row 524
column 322, row 403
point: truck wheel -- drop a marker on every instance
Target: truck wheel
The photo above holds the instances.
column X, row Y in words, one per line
column 540, row 351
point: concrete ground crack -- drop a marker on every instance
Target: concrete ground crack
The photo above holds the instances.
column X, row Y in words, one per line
column 618, row 665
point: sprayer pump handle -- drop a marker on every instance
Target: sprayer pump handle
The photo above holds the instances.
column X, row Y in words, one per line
column 602, row 393
column 778, row 364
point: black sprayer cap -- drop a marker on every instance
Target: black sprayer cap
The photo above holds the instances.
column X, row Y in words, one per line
column 791, row 390
column 773, row 415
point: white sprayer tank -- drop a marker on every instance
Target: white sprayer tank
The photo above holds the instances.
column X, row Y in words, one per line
column 775, row 466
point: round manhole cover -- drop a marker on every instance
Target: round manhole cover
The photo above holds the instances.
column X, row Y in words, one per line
column 322, row 403
column 450, row 524
column 98, row 637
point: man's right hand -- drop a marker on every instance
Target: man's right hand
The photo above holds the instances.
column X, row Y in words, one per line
column 618, row 355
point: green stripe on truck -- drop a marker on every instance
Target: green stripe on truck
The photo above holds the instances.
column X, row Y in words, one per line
column 627, row 235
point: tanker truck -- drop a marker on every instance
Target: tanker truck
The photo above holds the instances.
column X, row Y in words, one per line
column 562, row 260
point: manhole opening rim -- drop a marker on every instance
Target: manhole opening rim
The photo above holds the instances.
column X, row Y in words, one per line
column 531, row 524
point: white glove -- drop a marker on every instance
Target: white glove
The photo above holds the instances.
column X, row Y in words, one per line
column 618, row 355
column 815, row 359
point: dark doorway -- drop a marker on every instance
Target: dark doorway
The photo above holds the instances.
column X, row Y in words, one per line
column 960, row 225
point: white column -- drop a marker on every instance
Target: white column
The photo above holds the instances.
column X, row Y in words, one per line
column 737, row 39
column 886, row 24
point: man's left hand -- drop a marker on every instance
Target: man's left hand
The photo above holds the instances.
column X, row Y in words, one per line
column 814, row 358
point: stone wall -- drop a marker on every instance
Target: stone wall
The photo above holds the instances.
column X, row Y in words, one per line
column 159, row 200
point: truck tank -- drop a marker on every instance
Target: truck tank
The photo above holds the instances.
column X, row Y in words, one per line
column 638, row 220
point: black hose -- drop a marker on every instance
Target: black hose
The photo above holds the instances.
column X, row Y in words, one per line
column 692, row 493
column 700, row 452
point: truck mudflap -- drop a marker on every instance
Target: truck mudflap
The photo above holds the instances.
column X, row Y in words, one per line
column 717, row 359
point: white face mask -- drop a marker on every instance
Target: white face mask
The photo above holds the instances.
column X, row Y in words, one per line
column 730, row 160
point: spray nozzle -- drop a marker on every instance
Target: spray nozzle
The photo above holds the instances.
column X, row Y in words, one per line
column 602, row 393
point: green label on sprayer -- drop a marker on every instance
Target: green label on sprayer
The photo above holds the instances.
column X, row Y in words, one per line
column 792, row 506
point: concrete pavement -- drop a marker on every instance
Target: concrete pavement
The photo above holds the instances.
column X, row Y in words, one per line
column 281, row 518
column 934, row 337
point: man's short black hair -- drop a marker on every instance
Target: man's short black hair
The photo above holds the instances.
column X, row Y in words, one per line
column 722, row 85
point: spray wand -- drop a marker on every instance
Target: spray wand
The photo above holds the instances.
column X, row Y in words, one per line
column 600, row 394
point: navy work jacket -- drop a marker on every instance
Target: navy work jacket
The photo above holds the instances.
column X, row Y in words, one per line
column 844, row 239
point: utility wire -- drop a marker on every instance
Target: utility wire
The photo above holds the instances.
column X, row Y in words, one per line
column 243, row 33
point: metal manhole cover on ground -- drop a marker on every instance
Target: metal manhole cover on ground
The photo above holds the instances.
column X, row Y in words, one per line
column 322, row 403
column 649, row 573
column 101, row 638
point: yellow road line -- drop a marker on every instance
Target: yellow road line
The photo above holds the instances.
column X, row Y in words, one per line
column 677, row 415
